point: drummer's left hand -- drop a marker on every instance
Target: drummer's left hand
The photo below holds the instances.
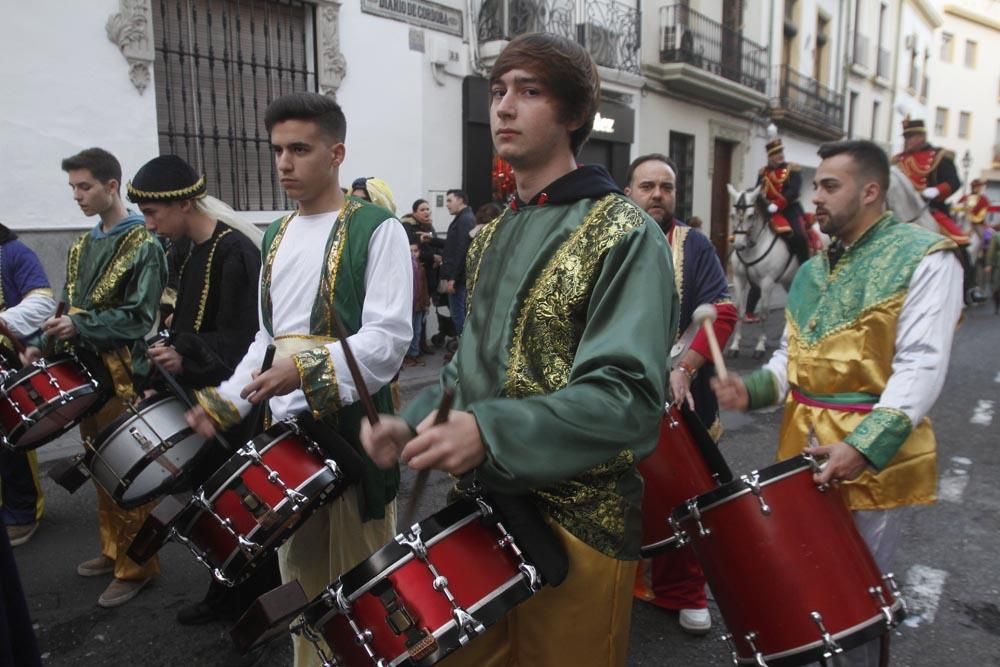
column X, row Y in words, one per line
column 454, row 446
column 167, row 357
column 280, row 379
column 60, row 327
column 843, row 463
column 680, row 388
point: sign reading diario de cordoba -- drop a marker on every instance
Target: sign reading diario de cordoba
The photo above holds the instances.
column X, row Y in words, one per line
column 421, row 13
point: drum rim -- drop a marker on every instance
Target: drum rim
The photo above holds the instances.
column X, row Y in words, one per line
column 392, row 555
column 112, row 429
column 738, row 487
column 848, row 638
column 238, row 462
column 33, row 369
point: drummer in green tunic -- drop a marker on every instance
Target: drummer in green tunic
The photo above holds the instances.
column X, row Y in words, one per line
column 560, row 376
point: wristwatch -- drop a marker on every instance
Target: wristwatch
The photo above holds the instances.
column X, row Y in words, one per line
column 687, row 369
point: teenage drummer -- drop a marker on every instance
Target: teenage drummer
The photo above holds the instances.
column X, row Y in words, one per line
column 213, row 322
column 333, row 254
column 25, row 301
column 115, row 275
column 868, row 333
column 559, row 379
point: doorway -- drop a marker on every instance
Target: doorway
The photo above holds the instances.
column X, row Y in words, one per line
column 722, row 174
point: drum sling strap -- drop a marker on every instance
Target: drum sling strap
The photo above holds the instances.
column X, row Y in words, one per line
column 419, row 642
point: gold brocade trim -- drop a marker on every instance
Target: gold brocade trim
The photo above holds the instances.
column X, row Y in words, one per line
column 715, row 431
column 474, row 257
column 546, row 330
column 309, row 337
column 266, row 269
column 680, row 235
column 124, row 255
column 328, row 281
column 891, row 302
column 182, row 193
column 73, row 268
column 119, row 365
column 222, row 411
column 200, row 316
column 318, row 380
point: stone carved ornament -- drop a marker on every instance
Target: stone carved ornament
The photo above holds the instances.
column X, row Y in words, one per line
column 132, row 31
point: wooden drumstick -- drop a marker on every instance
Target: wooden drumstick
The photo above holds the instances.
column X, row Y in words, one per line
column 50, row 346
column 420, row 482
column 352, row 365
column 705, row 315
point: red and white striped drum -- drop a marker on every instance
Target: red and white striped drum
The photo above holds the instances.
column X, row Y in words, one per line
column 793, row 578
column 426, row 594
column 45, row 399
column 676, row 471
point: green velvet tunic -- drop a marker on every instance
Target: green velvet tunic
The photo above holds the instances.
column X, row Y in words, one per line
column 115, row 282
column 564, row 358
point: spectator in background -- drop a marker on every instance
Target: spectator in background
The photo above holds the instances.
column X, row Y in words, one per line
column 421, row 301
column 456, row 245
column 485, row 213
column 431, row 249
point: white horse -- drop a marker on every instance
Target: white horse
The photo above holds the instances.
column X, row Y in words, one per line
column 758, row 256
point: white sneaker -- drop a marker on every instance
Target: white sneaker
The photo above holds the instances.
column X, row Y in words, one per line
column 695, row 621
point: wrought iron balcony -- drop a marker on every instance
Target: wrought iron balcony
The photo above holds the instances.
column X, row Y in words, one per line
column 882, row 67
column 608, row 29
column 861, row 50
column 806, row 105
column 696, row 40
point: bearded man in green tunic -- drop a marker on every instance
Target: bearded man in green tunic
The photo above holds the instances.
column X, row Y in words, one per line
column 115, row 275
column 560, row 377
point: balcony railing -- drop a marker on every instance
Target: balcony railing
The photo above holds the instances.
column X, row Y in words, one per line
column 808, row 98
column 609, row 29
column 882, row 67
column 695, row 39
column 861, row 46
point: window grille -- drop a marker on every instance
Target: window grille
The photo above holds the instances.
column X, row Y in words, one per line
column 219, row 63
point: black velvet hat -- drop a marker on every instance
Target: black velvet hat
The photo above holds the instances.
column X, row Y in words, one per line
column 164, row 179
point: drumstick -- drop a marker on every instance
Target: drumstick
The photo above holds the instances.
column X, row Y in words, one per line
column 178, row 391
column 258, row 409
column 420, row 482
column 352, row 365
column 705, row 314
column 51, row 343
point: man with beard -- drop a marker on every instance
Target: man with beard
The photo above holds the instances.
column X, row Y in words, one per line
column 677, row 581
column 868, row 333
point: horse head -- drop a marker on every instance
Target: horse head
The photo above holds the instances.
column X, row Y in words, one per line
column 903, row 200
column 744, row 215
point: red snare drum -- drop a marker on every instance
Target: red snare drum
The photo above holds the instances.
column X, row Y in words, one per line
column 674, row 472
column 426, row 594
column 793, row 578
column 44, row 400
column 250, row 506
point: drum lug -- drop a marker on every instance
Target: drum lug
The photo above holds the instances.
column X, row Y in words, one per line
column 468, row 625
column 681, row 537
column 758, row 657
column 728, row 638
column 413, row 542
column 753, row 483
column 897, row 595
column 876, row 592
column 484, row 507
column 337, row 597
column 830, row 646
column 672, row 423
column 692, row 507
column 527, row 570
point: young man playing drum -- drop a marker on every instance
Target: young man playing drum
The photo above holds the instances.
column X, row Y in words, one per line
column 25, row 301
column 333, row 255
column 214, row 320
column 868, row 333
column 560, row 375
column 115, row 274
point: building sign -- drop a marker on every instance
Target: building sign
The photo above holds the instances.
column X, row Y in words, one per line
column 604, row 125
column 421, row 13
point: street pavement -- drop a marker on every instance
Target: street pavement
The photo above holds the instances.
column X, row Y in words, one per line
column 947, row 559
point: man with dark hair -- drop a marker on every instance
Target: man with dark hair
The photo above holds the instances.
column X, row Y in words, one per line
column 369, row 287
column 214, row 320
column 869, row 327
column 456, row 245
column 25, row 301
column 559, row 379
column 115, row 274
column 676, row 580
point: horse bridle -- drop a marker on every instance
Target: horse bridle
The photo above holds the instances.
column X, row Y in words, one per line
column 742, row 205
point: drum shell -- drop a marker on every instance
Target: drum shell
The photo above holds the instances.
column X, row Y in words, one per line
column 299, row 465
column 482, row 574
column 51, row 416
column 768, row 572
column 673, row 473
column 117, row 453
